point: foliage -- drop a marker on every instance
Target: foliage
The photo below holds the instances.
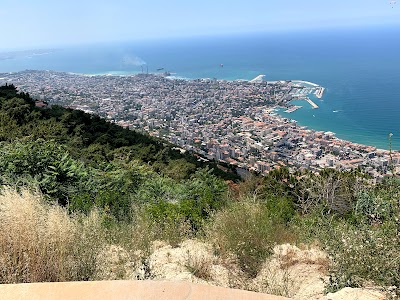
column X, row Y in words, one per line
column 363, row 254
column 249, row 230
column 363, row 244
column 190, row 201
column 82, row 161
column 130, row 189
column 45, row 163
column 366, row 249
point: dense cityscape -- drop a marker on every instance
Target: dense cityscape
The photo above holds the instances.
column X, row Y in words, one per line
column 230, row 121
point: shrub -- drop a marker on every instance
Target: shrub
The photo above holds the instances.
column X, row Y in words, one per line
column 367, row 249
column 249, row 231
column 188, row 202
column 42, row 162
column 363, row 255
column 200, row 266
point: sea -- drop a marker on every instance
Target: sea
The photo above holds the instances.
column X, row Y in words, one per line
column 359, row 68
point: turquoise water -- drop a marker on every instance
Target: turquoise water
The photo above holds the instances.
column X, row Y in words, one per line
column 359, row 68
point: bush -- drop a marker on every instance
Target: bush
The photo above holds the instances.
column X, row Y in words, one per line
column 367, row 249
column 44, row 163
column 249, row 231
column 190, row 202
column 363, row 254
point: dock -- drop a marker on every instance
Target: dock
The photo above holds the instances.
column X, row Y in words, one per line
column 314, row 106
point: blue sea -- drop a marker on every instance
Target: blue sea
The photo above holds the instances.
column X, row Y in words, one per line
column 360, row 69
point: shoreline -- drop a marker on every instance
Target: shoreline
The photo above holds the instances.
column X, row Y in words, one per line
column 277, row 113
column 249, row 80
column 278, row 110
column 211, row 118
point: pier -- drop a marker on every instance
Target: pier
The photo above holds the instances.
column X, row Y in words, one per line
column 314, row 106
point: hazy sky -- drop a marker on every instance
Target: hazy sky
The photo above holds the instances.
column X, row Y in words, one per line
column 36, row 23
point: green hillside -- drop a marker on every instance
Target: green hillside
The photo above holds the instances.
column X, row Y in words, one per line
column 90, row 138
column 81, row 160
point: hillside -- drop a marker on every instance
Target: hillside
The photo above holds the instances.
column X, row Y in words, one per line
column 90, row 138
column 64, row 149
column 84, row 199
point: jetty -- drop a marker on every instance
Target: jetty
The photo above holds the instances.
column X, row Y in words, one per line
column 314, row 106
column 305, row 82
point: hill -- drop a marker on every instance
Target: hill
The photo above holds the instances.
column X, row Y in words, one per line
column 84, row 199
column 92, row 139
column 70, row 154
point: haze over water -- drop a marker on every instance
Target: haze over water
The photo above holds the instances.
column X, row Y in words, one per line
column 360, row 70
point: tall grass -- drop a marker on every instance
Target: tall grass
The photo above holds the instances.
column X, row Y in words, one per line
column 41, row 242
column 248, row 230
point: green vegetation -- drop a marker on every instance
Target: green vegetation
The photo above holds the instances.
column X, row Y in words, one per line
column 74, row 186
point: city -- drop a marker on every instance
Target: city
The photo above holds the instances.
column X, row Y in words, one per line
column 230, row 121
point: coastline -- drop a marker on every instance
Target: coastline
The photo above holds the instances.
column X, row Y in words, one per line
column 355, row 141
column 228, row 121
column 278, row 109
column 365, row 102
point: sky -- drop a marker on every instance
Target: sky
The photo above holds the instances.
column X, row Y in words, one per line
column 45, row 23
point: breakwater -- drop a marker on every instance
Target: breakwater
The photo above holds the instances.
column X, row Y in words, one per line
column 314, row 106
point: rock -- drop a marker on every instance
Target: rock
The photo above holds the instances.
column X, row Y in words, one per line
column 293, row 272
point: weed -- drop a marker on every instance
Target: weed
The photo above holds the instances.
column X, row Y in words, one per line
column 199, row 266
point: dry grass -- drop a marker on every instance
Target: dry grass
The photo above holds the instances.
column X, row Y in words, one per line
column 40, row 242
column 199, row 266
column 114, row 263
column 246, row 230
column 144, row 231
